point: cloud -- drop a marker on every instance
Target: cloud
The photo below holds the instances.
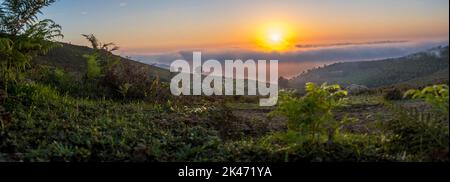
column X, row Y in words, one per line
column 84, row 13
column 350, row 52
column 349, row 44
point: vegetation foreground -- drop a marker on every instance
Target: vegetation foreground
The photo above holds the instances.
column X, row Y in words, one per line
column 114, row 110
column 41, row 124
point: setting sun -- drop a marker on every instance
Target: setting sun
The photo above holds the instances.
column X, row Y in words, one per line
column 275, row 37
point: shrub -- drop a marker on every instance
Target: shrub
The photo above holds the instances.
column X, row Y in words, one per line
column 393, row 94
column 125, row 80
column 66, row 83
column 139, row 84
column 436, row 95
column 308, row 114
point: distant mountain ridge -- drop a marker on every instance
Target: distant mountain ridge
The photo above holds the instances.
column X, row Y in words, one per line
column 420, row 69
column 71, row 58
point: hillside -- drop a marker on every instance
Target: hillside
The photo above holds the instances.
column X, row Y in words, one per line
column 70, row 58
column 419, row 69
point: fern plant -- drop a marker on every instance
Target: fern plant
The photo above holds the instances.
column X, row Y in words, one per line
column 93, row 68
column 23, row 36
column 309, row 113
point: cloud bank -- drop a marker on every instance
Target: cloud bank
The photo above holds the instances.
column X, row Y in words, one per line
column 349, row 44
column 301, row 59
column 320, row 53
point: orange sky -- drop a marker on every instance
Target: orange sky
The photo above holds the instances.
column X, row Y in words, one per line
column 141, row 26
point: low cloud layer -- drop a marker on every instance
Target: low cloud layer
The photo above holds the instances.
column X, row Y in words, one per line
column 326, row 53
column 349, row 44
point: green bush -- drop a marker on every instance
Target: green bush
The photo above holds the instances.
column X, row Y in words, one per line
column 436, row 95
column 55, row 77
column 140, row 83
column 32, row 94
column 309, row 113
column 123, row 80
column 93, row 68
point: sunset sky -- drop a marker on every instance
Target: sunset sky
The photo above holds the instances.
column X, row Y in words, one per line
column 143, row 26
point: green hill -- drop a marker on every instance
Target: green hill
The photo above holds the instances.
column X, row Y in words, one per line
column 419, row 69
column 70, row 58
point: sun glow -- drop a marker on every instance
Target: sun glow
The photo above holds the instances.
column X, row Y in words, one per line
column 275, row 37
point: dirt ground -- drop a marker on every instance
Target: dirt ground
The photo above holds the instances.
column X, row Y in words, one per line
column 364, row 114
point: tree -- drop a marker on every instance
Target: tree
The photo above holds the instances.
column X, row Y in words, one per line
column 23, row 36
